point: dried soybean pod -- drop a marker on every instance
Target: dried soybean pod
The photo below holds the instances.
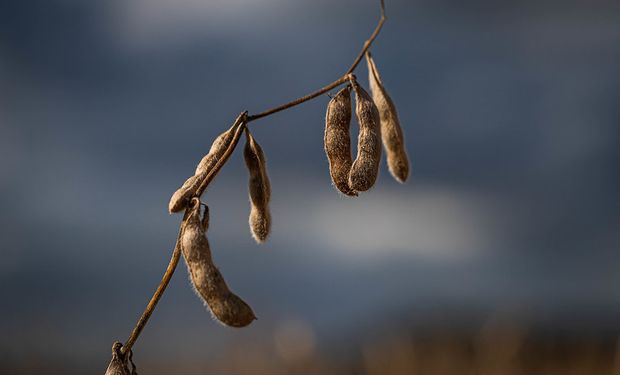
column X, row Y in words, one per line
column 259, row 189
column 207, row 280
column 220, row 144
column 118, row 364
column 391, row 131
column 181, row 197
column 365, row 168
column 338, row 140
column 178, row 201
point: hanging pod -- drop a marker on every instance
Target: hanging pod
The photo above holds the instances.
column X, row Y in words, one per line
column 207, row 280
column 259, row 189
column 391, row 132
column 365, row 168
column 337, row 140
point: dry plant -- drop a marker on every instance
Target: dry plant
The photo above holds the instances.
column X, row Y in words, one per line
column 378, row 122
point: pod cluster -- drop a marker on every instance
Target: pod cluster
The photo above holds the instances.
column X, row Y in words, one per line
column 207, row 280
column 379, row 128
column 378, row 124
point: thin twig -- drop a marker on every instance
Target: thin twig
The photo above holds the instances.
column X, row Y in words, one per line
column 241, row 122
column 334, row 84
column 368, row 43
column 296, row 102
column 172, row 265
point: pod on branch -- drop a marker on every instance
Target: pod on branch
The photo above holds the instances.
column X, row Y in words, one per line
column 259, row 189
column 391, row 131
column 365, row 168
column 337, row 140
column 180, row 199
column 207, row 280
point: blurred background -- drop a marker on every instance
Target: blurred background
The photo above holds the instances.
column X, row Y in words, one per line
column 499, row 255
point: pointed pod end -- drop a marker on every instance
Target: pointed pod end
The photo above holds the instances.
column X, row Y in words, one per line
column 399, row 167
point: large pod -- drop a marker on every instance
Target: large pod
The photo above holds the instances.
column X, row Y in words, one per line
column 181, row 197
column 391, row 131
column 365, row 168
column 337, row 140
column 207, row 280
column 259, row 189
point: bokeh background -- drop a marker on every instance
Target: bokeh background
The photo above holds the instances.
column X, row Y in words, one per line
column 500, row 252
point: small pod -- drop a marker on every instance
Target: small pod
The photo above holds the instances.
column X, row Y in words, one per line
column 337, row 140
column 119, row 364
column 365, row 168
column 391, row 131
column 207, row 280
column 259, row 189
column 180, row 198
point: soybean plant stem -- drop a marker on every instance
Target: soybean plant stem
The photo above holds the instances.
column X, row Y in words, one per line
column 241, row 122
column 334, row 84
column 165, row 280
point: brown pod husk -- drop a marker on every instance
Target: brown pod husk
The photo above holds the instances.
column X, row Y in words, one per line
column 181, row 197
column 259, row 189
column 225, row 306
column 391, row 131
column 220, row 144
column 365, row 168
column 119, row 364
column 337, row 140
column 178, row 201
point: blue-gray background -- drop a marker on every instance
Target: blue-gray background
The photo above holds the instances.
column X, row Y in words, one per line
column 512, row 116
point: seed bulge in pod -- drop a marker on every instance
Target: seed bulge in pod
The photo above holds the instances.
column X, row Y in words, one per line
column 391, row 131
column 218, row 147
column 365, row 168
column 225, row 306
column 259, row 189
column 178, row 201
column 180, row 198
column 337, row 140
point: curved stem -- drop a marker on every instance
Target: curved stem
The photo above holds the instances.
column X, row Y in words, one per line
column 334, row 84
column 172, row 265
column 368, row 42
column 242, row 120
column 296, row 102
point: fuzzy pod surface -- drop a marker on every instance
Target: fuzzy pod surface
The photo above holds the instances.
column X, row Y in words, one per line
column 119, row 364
column 365, row 168
column 219, row 145
column 259, row 189
column 225, row 306
column 391, row 131
column 337, row 140
column 181, row 197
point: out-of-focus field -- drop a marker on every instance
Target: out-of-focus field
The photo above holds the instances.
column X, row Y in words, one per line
column 494, row 349
column 492, row 352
